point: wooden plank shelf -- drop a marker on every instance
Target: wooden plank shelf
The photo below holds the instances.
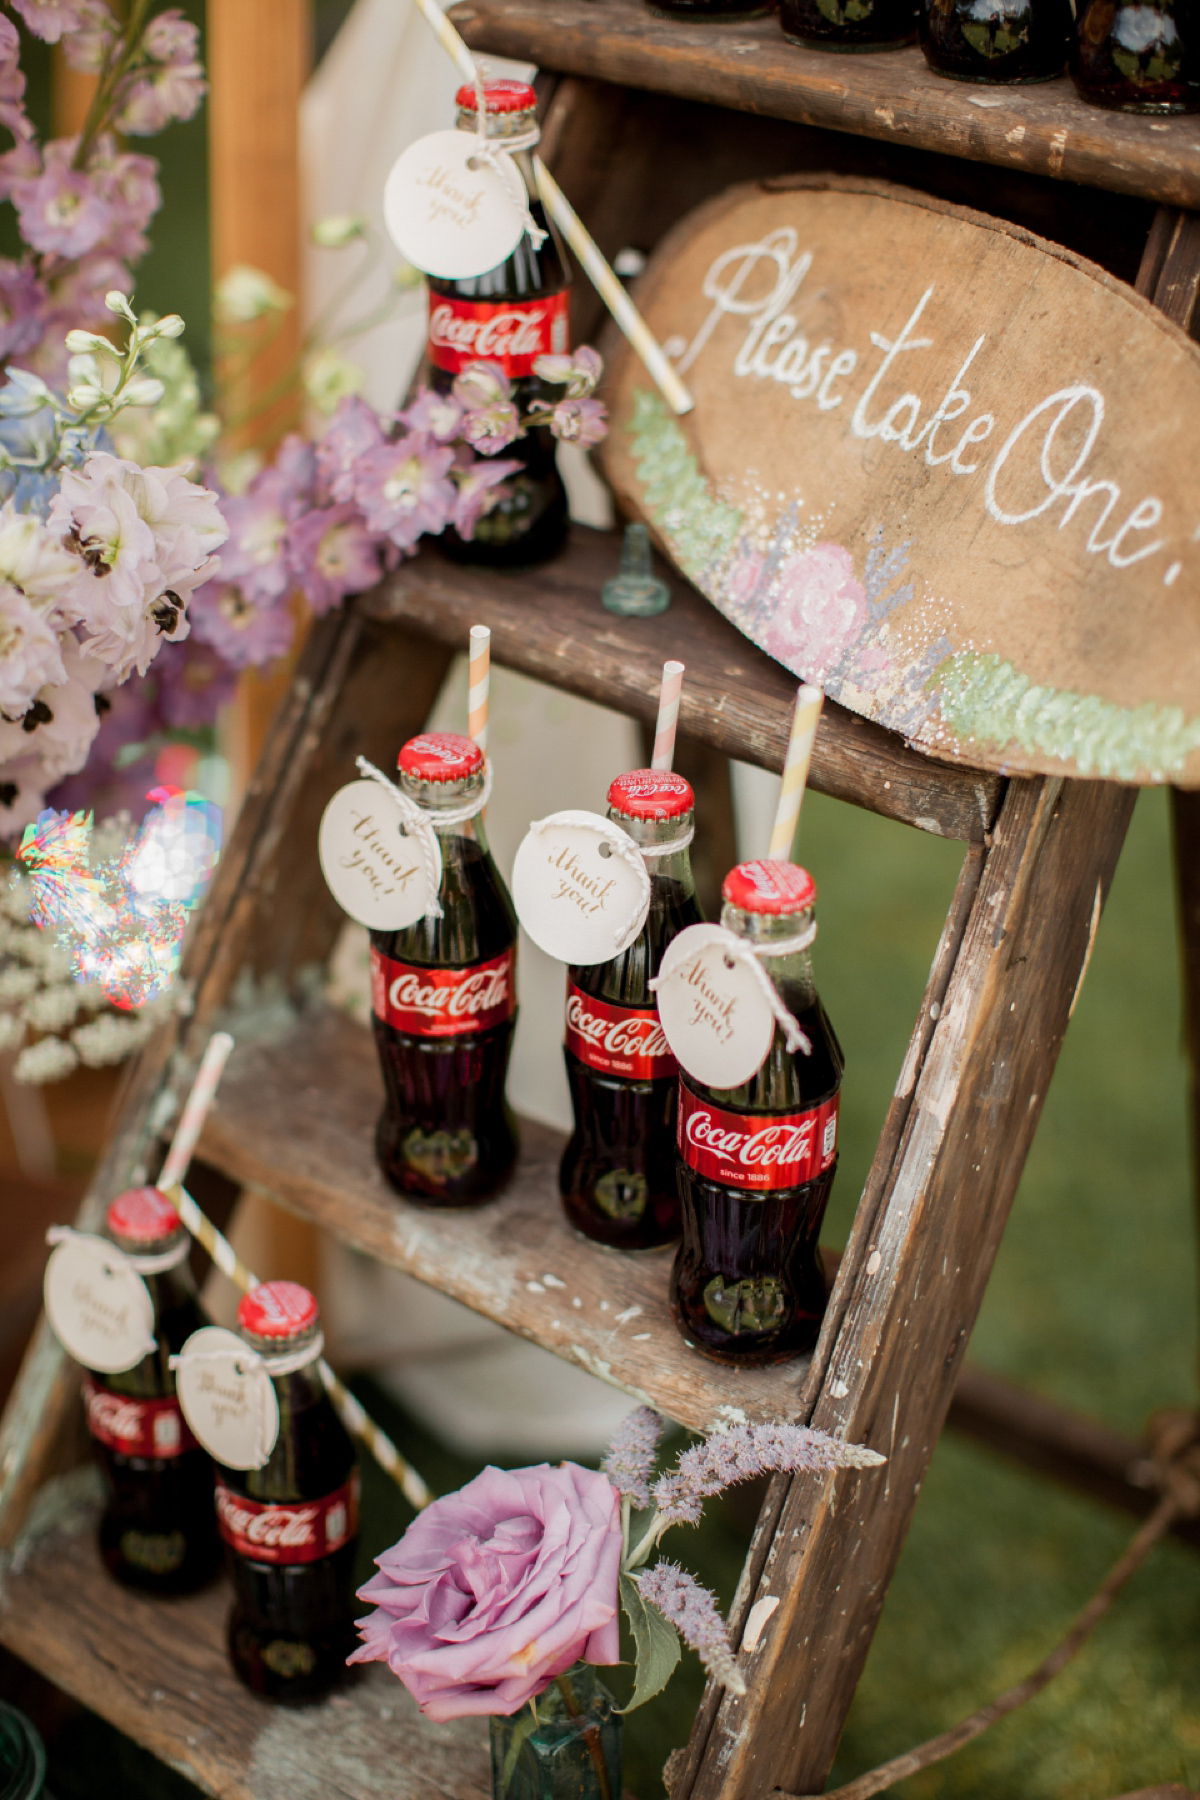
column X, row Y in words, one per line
column 1045, row 129
column 548, row 622
column 158, row 1671
column 282, row 1126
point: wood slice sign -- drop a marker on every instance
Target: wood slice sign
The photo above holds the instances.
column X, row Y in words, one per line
column 943, row 468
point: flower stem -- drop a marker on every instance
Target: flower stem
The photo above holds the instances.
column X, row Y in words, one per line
column 591, row 1737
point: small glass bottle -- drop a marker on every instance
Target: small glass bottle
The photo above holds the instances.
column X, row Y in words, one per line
column 1141, row 58
column 566, row 1745
column 157, row 1530
column 291, row 1527
column 1004, row 41
column 756, row 1163
column 618, row 1170
column 445, row 1002
column 849, row 24
column 22, row 1757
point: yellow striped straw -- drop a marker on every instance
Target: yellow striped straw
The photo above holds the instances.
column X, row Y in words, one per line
column 668, row 716
column 809, row 701
column 577, row 235
column 478, row 685
column 227, row 1260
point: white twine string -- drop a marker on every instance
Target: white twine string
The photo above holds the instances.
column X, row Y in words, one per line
column 622, row 845
column 795, row 1037
column 421, row 824
column 290, row 1361
column 679, row 843
column 262, row 1448
column 487, row 152
column 153, row 1263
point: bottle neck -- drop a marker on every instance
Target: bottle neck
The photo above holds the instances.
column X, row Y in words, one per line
column 657, row 835
column 449, row 797
column 792, row 967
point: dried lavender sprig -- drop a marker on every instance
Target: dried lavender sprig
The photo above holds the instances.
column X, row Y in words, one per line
column 693, row 1612
column 629, row 1462
column 745, row 1451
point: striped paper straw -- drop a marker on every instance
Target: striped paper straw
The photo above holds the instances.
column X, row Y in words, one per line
column 478, row 686
column 204, row 1088
column 668, row 716
column 809, row 701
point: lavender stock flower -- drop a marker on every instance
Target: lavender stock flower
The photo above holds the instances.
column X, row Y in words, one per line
column 583, row 422
column 629, row 1462
column 693, row 1612
column 745, row 1451
column 490, row 429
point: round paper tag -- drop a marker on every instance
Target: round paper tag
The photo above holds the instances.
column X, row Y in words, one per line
column 98, row 1305
column 579, row 899
column 227, row 1398
column 371, row 863
column 447, row 217
column 712, row 1009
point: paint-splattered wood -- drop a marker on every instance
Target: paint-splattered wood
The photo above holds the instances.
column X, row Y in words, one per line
column 296, row 1120
column 747, row 65
column 549, row 623
column 158, row 1671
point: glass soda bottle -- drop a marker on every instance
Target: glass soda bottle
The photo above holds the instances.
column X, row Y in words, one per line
column 617, row 1177
column 849, row 24
column 756, row 1162
column 291, row 1527
column 711, row 10
column 510, row 316
column 1003, row 41
column 1136, row 57
column 445, row 1003
column 157, row 1530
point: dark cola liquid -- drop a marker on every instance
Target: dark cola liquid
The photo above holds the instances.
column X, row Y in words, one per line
column 747, row 1285
column 849, row 24
column 617, row 1177
column 291, row 1627
column 1016, row 41
column 447, row 1135
column 1137, row 57
column 158, row 1530
column 529, row 522
column 711, row 9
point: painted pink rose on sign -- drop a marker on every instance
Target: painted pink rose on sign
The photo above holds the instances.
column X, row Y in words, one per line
column 744, row 576
column 820, row 609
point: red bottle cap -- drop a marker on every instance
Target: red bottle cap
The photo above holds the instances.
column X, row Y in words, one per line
column 501, row 97
column 277, row 1310
column 651, row 794
column 143, row 1216
column 769, row 887
column 440, row 756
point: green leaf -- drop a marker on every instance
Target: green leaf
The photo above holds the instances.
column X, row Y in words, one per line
column 655, row 1643
column 524, row 1728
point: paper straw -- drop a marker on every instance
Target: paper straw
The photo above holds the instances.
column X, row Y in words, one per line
column 191, row 1121
column 668, row 716
column 577, row 235
column 227, row 1260
column 611, row 292
column 479, row 684
column 809, row 701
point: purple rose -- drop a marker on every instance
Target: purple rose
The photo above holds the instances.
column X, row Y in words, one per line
column 819, row 612
column 495, row 1590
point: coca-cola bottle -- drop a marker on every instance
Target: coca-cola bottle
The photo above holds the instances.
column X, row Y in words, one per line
column 1136, row 56
column 511, row 315
column 445, row 1003
column 290, row 1528
column 756, row 1162
column 618, row 1170
column 1006, row 41
column 849, row 24
column 157, row 1530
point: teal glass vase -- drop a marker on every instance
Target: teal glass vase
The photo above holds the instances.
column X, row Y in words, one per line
column 566, row 1745
column 22, row 1758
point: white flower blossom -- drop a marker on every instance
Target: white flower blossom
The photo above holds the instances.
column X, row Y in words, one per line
column 16, row 984
column 33, row 558
column 109, row 1039
column 47, row 1060
column 52, row 1008
column 12, row 1031
column 30, row 656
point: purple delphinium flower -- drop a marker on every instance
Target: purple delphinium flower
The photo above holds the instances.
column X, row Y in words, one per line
column 258, row 523
column 129, row 185
column 477, row 485
column 154, row 96
column 12, row 82
column 331, row 553
column 60, row 209
column 579, row 372
column 747, row 1450
column 171, row 38
column 22, row 298
column 402, row 487
column 583, row 422
column 629, row 1462
column 50, row 19
column 693, row 1612
column 193, row 684
column 481, row 384
column 490, row 429
column 439, row 414
column 243, row 633
column 350, row 434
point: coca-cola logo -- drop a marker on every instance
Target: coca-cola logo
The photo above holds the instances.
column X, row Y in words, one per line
column 112, row 1415
column 767, row 1148
column 628, row 1034
column 513, row 331
column 268, row 1527
column 479, row 992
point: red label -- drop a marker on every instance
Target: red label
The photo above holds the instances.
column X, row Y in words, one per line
column 444, row 1002
column 757, row 1151
column 617, row 1040
column 299, row 1532
column 511, row 333
column 154, row 1429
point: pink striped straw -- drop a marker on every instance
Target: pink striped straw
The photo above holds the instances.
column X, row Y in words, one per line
column 478, row 685
column 204, row 1088
column 668, row 716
